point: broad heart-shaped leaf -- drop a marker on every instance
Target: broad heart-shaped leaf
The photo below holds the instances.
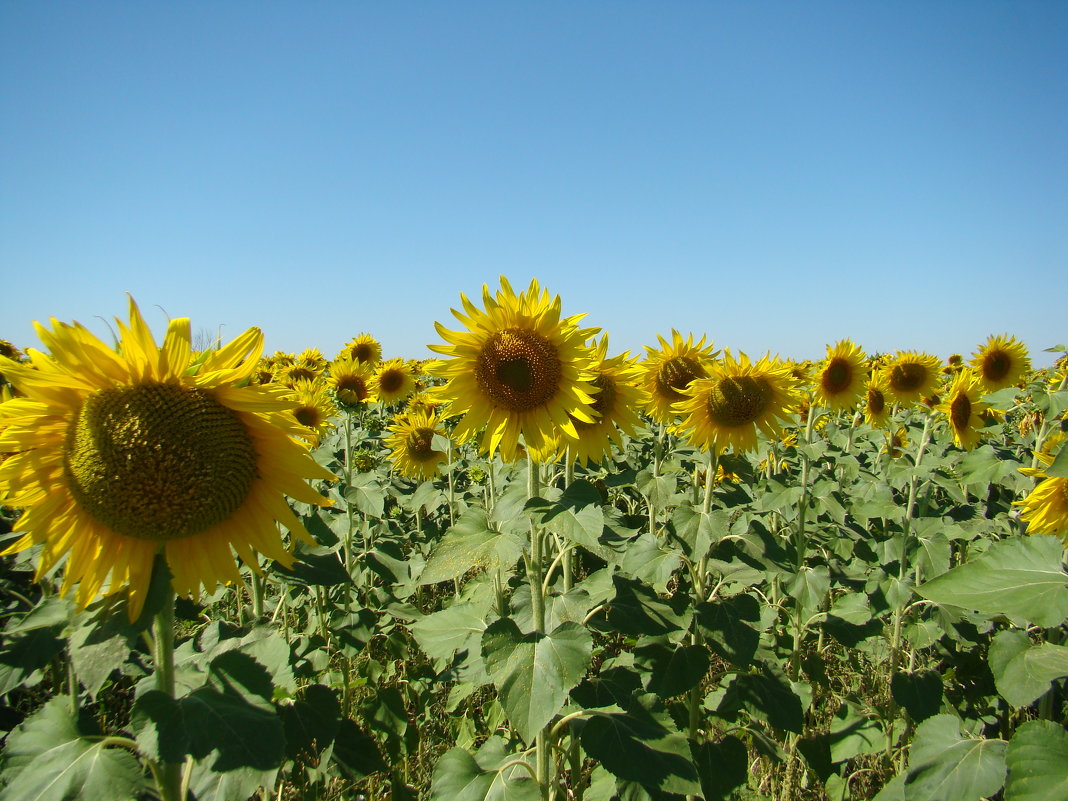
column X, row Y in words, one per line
column 722, row 766
column 534, row 672
column 946, row 766
column 576, row 515
column 919, row 693
column 672, row 669
column 469, row 544
column 1028, row 674
column 649, row 560
column 210, row 785
column 459, row 776
column 640, row 747
column 1038, row 762
column 311, row 722
column 50, row 758
column 1020, row 578
column 726, row 627
column 1059, row 468
column 443, row 633
column 366, row 494
column 356, row 752
column 636, row 609
column 245, row 735
column 766, row 696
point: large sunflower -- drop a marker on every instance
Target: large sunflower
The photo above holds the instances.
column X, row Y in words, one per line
column 411, row 444
column 1001, row 362
column 911, row 375
column 394, row 380
column 518, row 370
column 364, row 349
column 964, row 410
column 615, row 407
column 669, row 369
column 841, row 376
column 1045, row 510
column 120, row 455
column 738, row 398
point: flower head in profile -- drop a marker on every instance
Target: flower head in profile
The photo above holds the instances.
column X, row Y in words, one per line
column 964, row 409
column 517, row 371
column 1001, row 362
column 120, row 455
column 411, row 444
column 738, row 398
column 841, row 376
column 667, row 371
column 615, row 407
column 910, row 376
column 1045, row 509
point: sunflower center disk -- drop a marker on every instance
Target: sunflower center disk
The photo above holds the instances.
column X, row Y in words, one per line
column 907, row 377
column 996, row 365
column 307, row 416
column 676, row 374
column 960, row 411
column 518, row 369
column 738, row 400
column 391, row 380
column 419, row 444
column 876, row 401
column 351, row 389
column 158, row 461
column 837, row 377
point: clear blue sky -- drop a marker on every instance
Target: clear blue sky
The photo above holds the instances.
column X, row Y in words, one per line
column 776, row 175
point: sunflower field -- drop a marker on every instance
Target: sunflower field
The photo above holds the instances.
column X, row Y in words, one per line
column 530, row 569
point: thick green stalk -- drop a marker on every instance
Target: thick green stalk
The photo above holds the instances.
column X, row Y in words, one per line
column 543, row 762
column 170, row 773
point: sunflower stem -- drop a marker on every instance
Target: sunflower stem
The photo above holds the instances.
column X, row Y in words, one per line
column 170, row 773
column 710, row 477
column 543, row 762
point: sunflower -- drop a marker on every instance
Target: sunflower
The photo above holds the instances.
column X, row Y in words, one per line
column 423, row 401
column 393, row 381
column 411, row 444
column 1001, row 362
column 518, row 370
column 964, row 410
column 737, row 398
column 615, row 407
column 1045, row 510
column 313, row 359
column 911, row 375
column 364, row 349
column 120, row 455
column 876, row 406
column 289, row 375
column 9, row 351
column 669, row 369
column 954, row 364
column 315, row 409
column 841, row 376
column 896, row 442
column 351, row 381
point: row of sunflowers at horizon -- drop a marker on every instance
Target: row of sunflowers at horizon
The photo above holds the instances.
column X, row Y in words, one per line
column 115, row 453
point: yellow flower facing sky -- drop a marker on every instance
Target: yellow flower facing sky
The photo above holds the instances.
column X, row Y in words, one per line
column 737, row 399
column 841, row 376
column 394, row 380
column 519, row 370
column 910, row 376
column 364, row 349
column 964, row 409
column 1001, row 362
column 120, row 455
column 668, row 370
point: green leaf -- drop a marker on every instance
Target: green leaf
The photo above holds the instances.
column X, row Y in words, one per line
column 443, row 633
column 50, row 758
column 576, row 516
column 458, row 776
column 636, row 609
column 766, row 696
column 853, row 734
column 721, row 766
column 311, row 722
column 648, row 560
column 657, row 489
column 159, row 726
column 314, row 568
column 366, row 494
column 534, row 672
column 245, row 735
column 919, row 693
column 672, row 669
column 1028, row 674
column 726, row 627
column 356, row 752
column 810, row 586
column 470, row 544
column 946, row 766
column 233, row 785
column 1019, row 577
column 1038, row 762
column 639, row 747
